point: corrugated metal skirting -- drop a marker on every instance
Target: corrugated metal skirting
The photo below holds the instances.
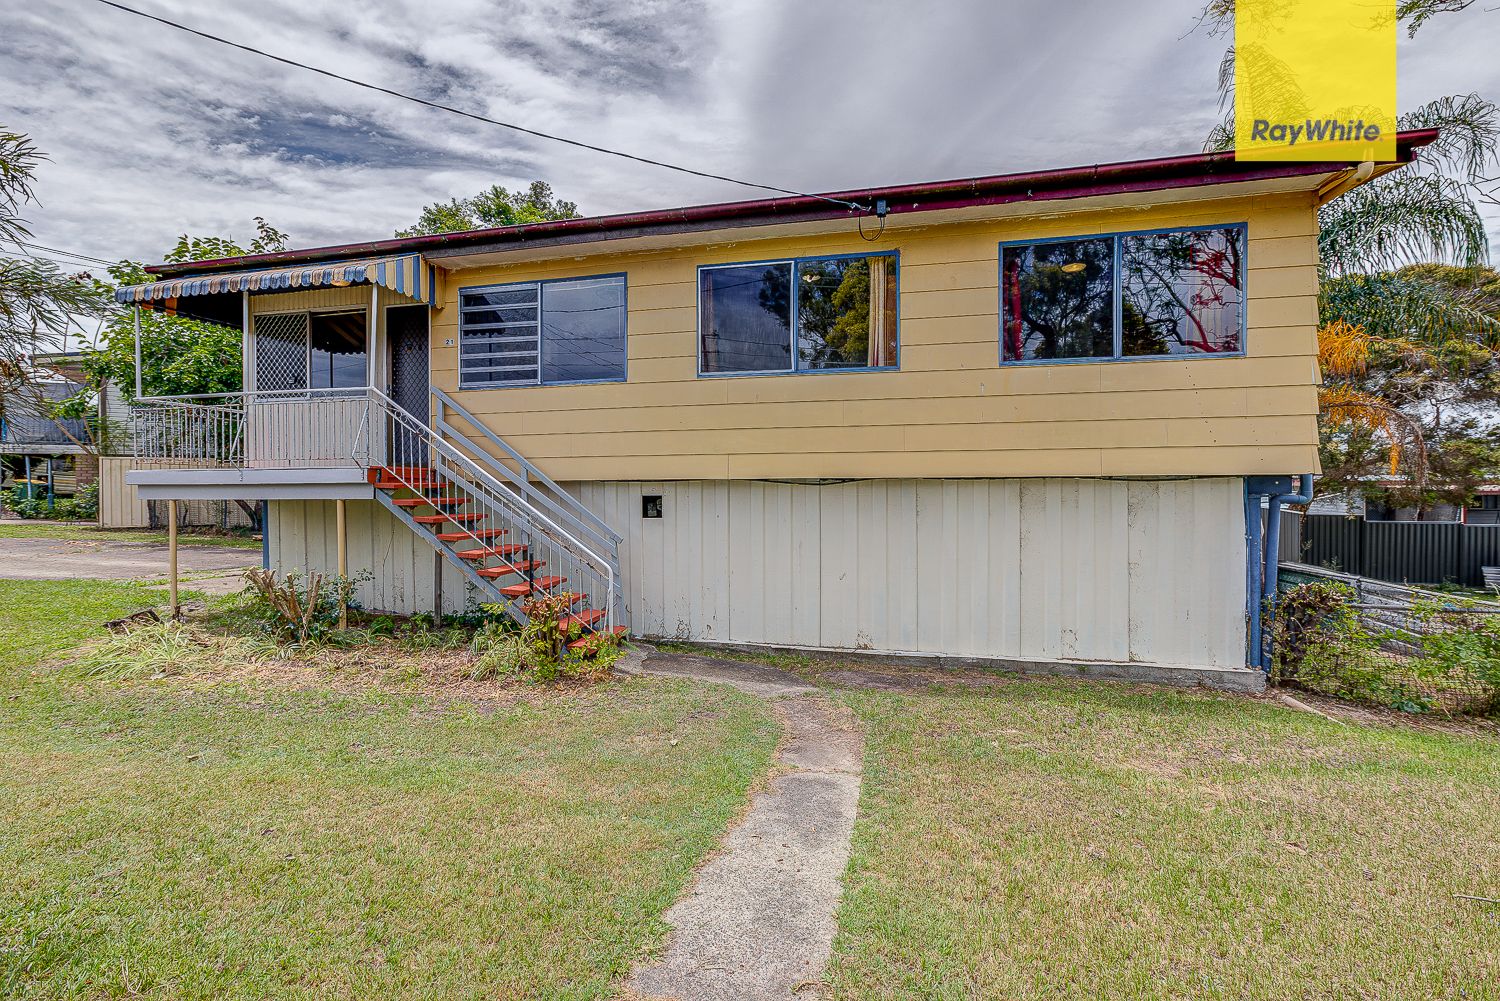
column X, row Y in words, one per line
column 1040, row 569
column 120, row 504
column 303, row 535
column 1037, row 569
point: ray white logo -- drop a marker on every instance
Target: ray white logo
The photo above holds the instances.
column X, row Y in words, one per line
column 1314, row 130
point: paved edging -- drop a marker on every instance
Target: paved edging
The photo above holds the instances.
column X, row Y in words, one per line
column 758, row 921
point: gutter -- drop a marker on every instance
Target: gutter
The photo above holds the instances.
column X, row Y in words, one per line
column 1158, row 174
column 1346, row 182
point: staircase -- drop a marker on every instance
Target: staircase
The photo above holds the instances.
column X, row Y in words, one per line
column 511, row 531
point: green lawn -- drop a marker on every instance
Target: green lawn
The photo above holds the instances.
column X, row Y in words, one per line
column 81, row 531
column 188, row 839
column 1057, row 839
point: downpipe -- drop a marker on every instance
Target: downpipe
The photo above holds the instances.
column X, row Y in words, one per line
column 1272, row 555
column 1254, row 565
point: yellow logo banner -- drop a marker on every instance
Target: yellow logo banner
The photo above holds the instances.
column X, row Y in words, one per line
column 1315, row 79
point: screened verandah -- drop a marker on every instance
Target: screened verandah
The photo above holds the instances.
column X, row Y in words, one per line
column 316, row 346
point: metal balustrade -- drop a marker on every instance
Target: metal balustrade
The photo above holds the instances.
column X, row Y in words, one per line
column 502, row 522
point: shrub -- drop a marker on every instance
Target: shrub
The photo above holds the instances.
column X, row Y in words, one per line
column 419, row 633
column 1321, row 644
column 542, row 650
column 82, row 506
column 1459, row 650
column 497, row 649
column 16, row 501
column 300, row 609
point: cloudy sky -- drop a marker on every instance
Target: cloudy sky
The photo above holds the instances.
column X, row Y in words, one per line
column 152, row 132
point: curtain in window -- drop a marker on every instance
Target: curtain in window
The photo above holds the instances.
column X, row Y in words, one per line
column 882, row 347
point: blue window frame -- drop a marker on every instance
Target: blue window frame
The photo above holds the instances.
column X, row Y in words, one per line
column 1124, row 296
column 809, row 314
column 555, row 332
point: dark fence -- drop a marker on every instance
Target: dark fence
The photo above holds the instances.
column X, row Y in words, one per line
column 1414, row 552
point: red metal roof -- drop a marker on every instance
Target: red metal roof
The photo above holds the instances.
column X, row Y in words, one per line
column 1070, row 182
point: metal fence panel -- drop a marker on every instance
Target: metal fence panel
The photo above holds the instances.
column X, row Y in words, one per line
column 1412, row 552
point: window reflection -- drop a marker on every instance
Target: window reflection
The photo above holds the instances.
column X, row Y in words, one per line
column 1058, row 300
column 1181, row 292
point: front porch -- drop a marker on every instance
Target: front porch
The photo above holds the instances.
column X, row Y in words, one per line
column 339, row 406
column 324, row 349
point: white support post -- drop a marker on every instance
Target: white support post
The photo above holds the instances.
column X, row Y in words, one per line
column 172, row 555
column 343, row 528
column 247, row 348
column 371, row 370
column 138, row 393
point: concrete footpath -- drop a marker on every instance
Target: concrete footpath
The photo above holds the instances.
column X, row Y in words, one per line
column 758, row 921
column 210, row 569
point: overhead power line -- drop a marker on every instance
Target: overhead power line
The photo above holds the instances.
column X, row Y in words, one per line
column 67, row 253
column 481, row 118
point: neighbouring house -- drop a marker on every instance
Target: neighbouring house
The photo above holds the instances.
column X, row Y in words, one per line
column 1027, row 418
column 1483, row 510
column 1443, row 544
column 46, row 456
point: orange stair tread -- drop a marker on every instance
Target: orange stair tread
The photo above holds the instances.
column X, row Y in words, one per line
column 453, row 516
column 484, row 553
column 433, row 501
column 585, row 618
column 510, row 569
column 482, row 533
column 540, row 584
column 617, row 630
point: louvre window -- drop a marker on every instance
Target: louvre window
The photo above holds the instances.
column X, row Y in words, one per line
column 570, row 330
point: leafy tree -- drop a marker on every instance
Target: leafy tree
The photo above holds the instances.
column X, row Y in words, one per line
column 1428, row 211
column 180, row 356
column 493, row 207
column 268, row 239
column 37, row 299
column 1409, row 420
column 833, row 312
column 1427, row 302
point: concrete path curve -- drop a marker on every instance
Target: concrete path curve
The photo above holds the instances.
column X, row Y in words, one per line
column 758, row 922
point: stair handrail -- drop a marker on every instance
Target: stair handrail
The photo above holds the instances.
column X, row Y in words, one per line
column 506, row 495
column 573, row 507
column 493, row 493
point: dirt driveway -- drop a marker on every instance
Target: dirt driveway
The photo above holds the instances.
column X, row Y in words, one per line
column 210, row 569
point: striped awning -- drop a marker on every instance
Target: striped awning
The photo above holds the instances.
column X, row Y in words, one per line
column 406, row 274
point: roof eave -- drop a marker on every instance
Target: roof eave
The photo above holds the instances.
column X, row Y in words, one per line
column 1071, row 182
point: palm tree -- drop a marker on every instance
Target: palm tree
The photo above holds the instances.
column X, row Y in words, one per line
column 1426, row 212
column 37, row 299
column 1381, row 293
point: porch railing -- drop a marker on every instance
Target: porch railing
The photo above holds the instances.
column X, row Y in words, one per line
column 364, row 428
column 551, row 539
column 287, row 429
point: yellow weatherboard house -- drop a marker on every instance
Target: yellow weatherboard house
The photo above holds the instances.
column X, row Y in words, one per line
column 1028, row 419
